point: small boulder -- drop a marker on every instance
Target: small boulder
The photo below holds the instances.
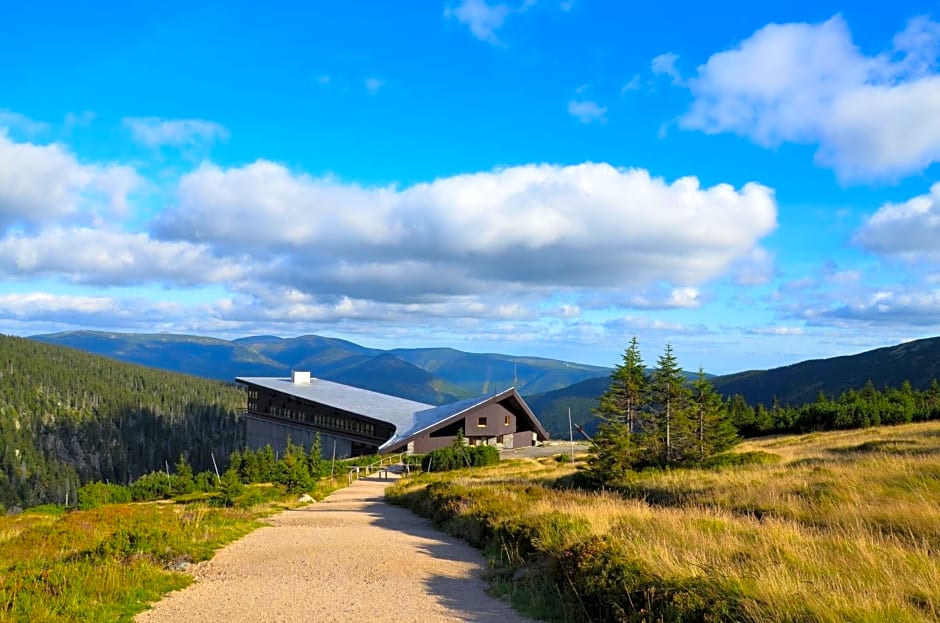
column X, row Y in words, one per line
column 306, row 498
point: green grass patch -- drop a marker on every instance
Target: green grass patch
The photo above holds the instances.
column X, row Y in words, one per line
column 109, row 563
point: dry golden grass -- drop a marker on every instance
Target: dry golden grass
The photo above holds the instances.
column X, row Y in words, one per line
column 846, row 527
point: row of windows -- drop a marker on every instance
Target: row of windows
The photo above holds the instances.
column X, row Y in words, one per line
column 323, row 421
column 481, row 421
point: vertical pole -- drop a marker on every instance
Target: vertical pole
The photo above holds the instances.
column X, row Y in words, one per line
column 333, row 464
column 571, row 434
column 215, row 465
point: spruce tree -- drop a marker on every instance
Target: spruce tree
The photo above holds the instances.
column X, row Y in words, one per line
column 666, row 433
column 714, row 431
column 314, row 458
column 183, row 481
column 611, row 455
column 627, row 394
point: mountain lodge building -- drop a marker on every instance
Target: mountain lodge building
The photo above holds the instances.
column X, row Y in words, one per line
column 354, row 421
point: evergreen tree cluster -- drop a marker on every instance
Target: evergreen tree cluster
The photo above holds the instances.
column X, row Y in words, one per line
column 296, row 469
column 860, row 408
column 657, row 418
column 69, row 418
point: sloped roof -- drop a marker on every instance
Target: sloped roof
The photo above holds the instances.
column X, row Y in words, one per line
column 436, row 417
column 396, row 411
column 409, row 418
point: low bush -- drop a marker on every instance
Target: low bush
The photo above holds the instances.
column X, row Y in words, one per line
column 152, row 486
column 456, row 457
column 738, row 459
column 95, row 494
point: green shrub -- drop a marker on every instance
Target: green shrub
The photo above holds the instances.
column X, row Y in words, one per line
column 95, row 494
column 484, row 455
column 737, row 459
column 231, row 487
column 152, row 486
column 454, row 457
column 206, row 481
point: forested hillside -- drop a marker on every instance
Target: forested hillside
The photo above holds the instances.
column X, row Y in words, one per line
column 68, row 417
column 917, row 362
column 581, row 398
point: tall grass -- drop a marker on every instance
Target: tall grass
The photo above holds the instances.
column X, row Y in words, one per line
column 843, row 527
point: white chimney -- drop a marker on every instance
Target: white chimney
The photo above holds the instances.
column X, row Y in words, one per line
column 300, row 378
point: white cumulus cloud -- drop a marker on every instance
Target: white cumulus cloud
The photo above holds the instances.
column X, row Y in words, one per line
column 870, row 115
column 910, row 229
column 535, row 226
column 104, row 257
column 46, row 183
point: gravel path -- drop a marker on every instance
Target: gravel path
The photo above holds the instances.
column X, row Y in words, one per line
column 352, row 557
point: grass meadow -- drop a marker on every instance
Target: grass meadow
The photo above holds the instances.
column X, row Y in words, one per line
column 838, row 526
column 108, row 563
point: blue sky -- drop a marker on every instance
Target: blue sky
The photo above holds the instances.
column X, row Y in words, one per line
column 754, row 184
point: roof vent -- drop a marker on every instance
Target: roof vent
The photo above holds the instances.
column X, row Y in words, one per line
column 300, row 378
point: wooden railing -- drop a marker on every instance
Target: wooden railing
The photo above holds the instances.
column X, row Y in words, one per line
column 380, row 466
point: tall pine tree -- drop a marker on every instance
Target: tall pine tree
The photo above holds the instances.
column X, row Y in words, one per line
column 628, row 392
column 666, row 430
column 714, row 431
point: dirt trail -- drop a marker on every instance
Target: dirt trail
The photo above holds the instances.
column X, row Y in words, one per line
column 352, row 557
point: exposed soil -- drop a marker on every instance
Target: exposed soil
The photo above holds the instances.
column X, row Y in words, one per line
column 352, row 557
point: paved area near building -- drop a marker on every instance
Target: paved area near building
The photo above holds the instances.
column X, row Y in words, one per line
column 550, row 449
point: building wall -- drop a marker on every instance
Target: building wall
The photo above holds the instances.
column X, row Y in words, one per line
column 491, row 421
column 425, row 444
column 492, row 425
column 261, row 432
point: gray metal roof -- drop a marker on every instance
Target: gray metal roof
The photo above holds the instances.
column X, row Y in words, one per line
column 435, row 416
column 429, row 418
column 409, row 418
column 396, row 411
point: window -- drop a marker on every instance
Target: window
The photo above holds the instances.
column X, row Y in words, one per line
column 481, row 422
column 506, row 420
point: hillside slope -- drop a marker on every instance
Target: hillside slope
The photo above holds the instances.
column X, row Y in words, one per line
column 388, row 374
column 551, row 408
column 917, row 362
column 480, row 373
column 320, row 355
column 67, row 417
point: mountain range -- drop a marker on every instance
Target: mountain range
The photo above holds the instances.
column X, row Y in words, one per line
column 431, row 375
column 440, row 375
